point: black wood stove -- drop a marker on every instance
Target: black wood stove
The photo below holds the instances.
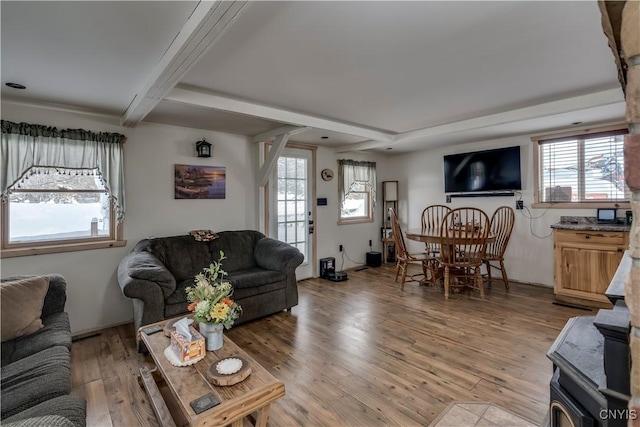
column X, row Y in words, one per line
column 591, row 365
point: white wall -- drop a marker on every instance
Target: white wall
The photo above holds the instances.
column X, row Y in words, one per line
column 529, row 256
column 354, row 237
column 94, row 298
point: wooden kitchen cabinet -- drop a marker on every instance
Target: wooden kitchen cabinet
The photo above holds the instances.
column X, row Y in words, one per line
column 584, row 264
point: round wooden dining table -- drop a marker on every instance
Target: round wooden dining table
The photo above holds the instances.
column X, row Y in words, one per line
column 432, row 235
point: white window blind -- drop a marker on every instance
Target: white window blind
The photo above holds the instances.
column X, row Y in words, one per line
column 582, row 168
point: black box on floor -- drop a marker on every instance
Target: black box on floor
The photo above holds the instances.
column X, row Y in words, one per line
column 327, row 267
column 374, row 259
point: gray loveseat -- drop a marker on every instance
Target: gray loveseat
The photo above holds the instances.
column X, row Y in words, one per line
column 157, row 270
column 36, row 369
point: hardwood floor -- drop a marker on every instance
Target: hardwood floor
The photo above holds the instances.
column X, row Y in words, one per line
column 364, row 353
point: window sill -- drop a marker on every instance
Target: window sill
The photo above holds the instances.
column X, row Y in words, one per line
column 354, row 221
column 54, row 249
column 581, row 205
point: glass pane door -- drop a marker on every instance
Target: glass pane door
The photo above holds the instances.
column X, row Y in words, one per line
column 291, row 208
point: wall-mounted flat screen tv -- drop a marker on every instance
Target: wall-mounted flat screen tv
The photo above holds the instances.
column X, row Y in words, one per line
column 483, row 171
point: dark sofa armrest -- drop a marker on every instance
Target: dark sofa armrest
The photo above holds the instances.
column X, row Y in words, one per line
column 272, row 254
column 56, row 297
column 143, row 277
column 139, row 270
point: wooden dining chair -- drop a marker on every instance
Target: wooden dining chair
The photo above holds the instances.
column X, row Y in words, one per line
column 432, row 217
column 501, row 225
column 403, row 257
column 463, row 242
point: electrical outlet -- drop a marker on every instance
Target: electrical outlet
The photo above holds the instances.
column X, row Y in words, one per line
column 340, row 248
column 448, row 198
column 519, row 204
column 369, row 242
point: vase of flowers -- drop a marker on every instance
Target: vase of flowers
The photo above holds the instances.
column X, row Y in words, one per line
column 211, row 304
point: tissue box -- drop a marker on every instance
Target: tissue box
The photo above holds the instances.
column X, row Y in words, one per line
column 188, row 350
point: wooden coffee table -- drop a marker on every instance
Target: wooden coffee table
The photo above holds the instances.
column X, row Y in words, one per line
column 249, row 398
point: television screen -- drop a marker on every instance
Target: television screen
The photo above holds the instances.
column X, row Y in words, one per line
column 483, row 171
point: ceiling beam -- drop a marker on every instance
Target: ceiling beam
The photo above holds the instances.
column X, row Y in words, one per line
column 270, row 134
column 219, row 102
column 209, row 20
column 272, row 159
column 575, row 103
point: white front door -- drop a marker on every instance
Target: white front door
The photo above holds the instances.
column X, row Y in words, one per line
column 290, row 205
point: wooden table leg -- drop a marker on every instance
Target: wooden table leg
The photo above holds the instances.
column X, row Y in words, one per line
column 446, row 282
column 157, row 402
column 263, row 414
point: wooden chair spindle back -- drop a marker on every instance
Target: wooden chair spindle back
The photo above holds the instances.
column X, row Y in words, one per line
column 463, row 237
column 432, row 218
column 502, row 222
column 397, row 235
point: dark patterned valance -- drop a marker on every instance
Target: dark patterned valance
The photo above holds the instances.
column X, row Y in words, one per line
column 48, row 132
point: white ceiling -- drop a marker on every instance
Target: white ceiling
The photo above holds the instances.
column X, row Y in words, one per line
column 369, row 75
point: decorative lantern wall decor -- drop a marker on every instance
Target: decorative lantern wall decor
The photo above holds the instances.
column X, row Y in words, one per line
column 203, row 148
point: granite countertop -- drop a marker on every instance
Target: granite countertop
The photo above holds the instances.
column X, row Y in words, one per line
column 588, row 223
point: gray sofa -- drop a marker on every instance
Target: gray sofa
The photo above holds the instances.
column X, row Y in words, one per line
column 35, row 378
column 157, row 270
